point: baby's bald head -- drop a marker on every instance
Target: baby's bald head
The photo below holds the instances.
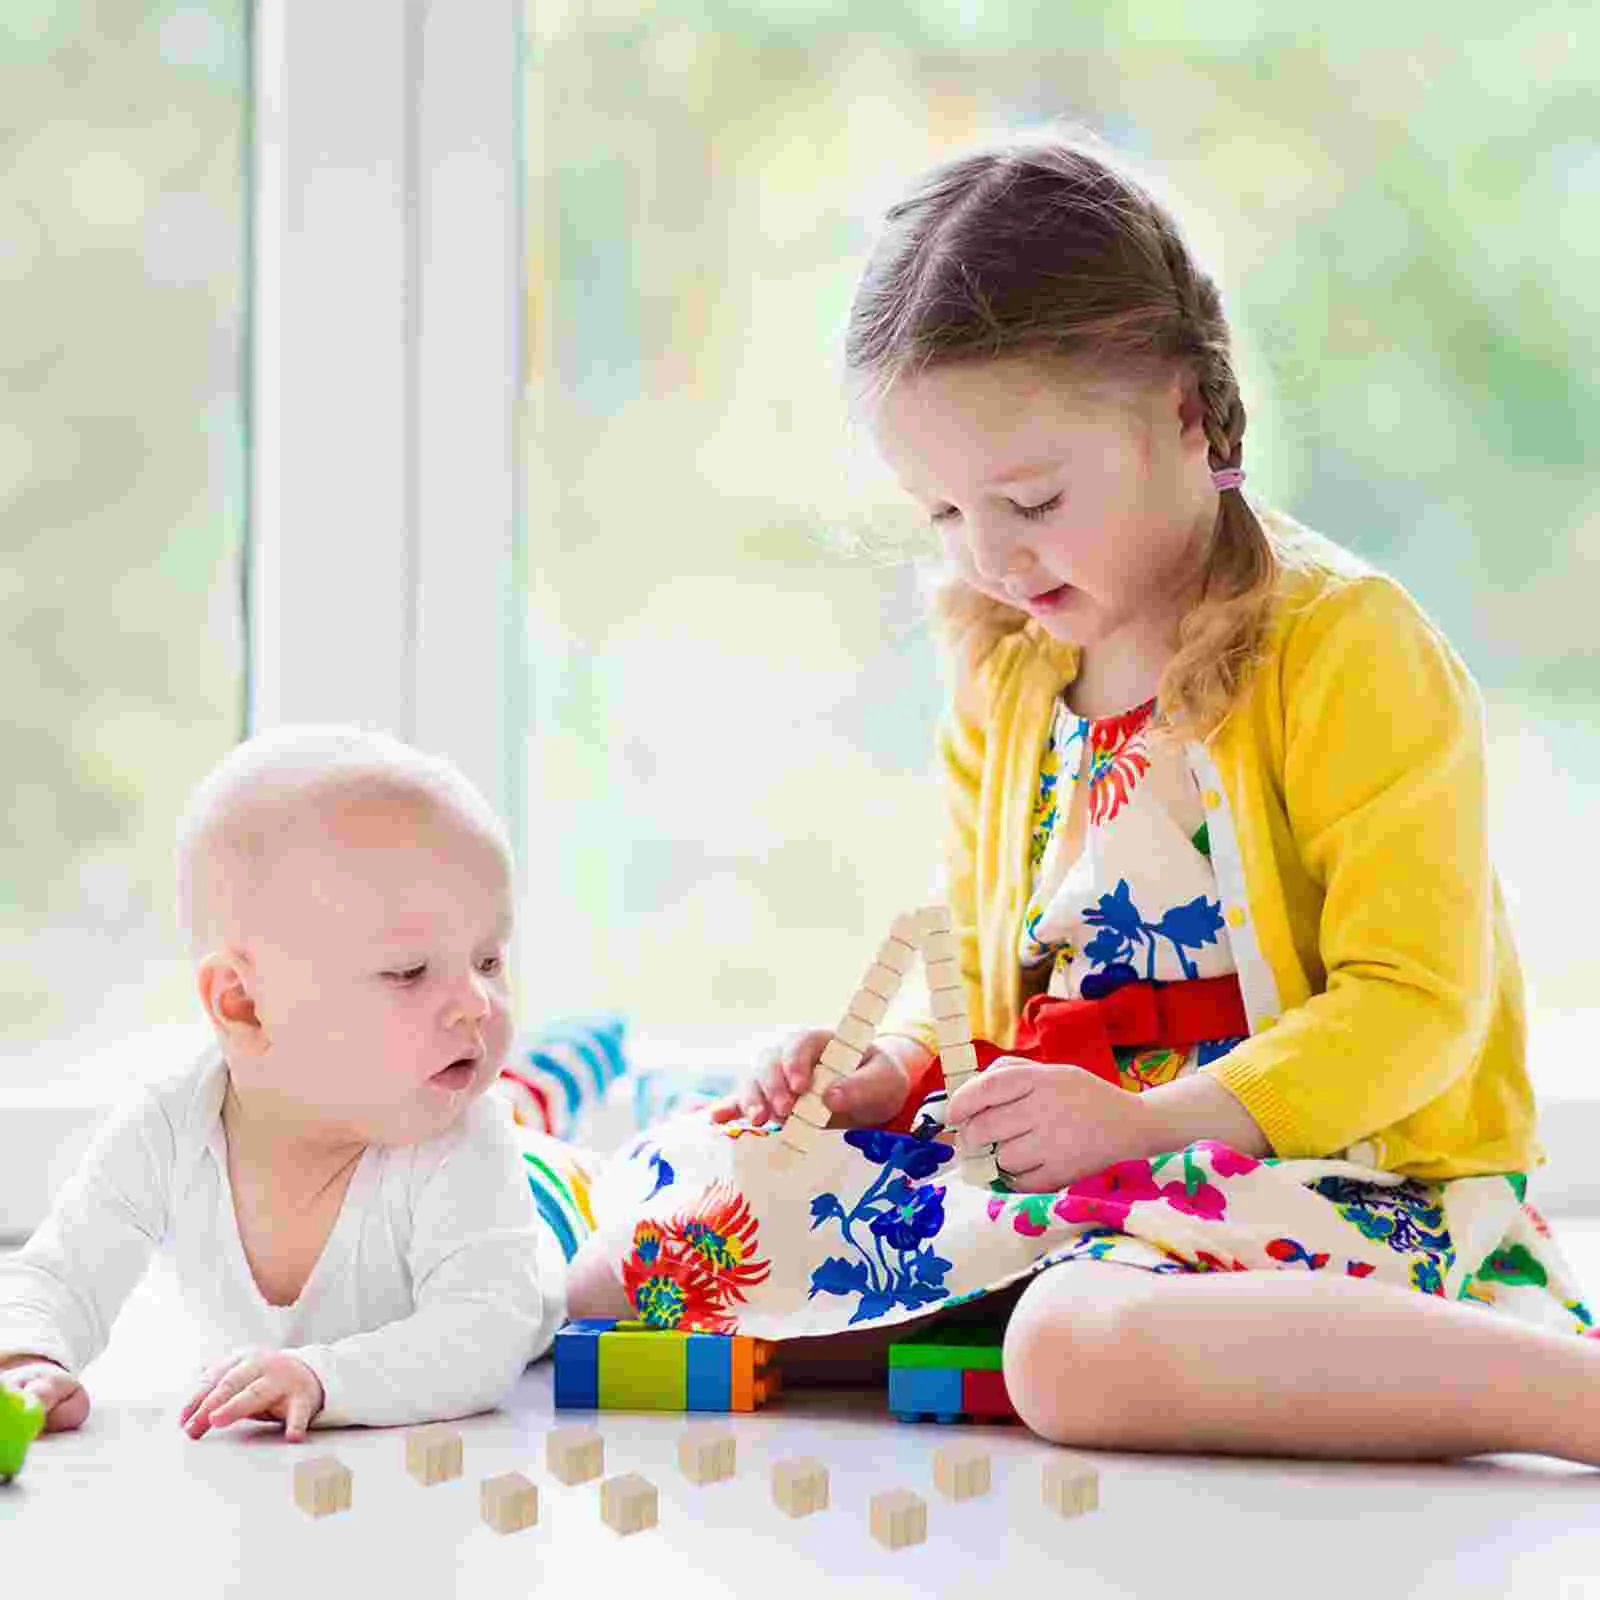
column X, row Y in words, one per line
column 300, row 785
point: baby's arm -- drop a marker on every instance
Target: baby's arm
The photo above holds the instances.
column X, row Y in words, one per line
column 61, row 1292
column 489, row 1282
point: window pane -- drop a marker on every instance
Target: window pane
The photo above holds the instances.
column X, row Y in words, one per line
column 121, row 503
column 734, row 710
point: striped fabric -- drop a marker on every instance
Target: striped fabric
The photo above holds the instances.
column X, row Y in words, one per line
column 554, row 1077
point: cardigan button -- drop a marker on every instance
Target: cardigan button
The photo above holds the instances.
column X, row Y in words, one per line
column 1263, row 1023
column 1364, row 1154
column 1212, row 799
column 1235, row 916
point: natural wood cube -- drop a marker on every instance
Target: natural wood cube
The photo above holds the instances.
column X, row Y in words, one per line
column 899, row 1518
column 934, row 920
column 948, row 1003
column 869, row 1007
column 1071, row 1486
column 433, row 1454
column 882, row 981
column 980, row 1169
column 800, row 1485
column 841, row 1056
column 957, row 1060
column 810, row 1108
column 706, row 1454
column 961, row 1471
column 322, row 1485
column 509, row 1503
column 952, row 1030
column 938, row 947
column 944, row 975
column 628, row 1503
column 855, row 1032
column 800, row 1135
column 897, row 954
column 575, row 1455
column 907, row 929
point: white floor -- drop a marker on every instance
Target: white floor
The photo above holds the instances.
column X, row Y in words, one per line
column 216, row 1517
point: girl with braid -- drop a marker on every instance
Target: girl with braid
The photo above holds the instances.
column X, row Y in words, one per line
column 1250, row 1018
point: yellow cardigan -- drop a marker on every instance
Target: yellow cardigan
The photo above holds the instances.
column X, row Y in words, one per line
column 1346, row 809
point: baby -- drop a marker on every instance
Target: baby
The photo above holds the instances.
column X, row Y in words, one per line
column 343, row 1206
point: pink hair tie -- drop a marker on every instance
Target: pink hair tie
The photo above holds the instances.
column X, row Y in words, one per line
column 1228, row 477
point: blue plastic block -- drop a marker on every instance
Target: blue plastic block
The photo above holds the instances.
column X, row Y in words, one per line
column 577, row 1357
column 707, row 1358
column 916, row 1392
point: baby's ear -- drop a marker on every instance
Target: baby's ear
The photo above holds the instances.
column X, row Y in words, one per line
column 223, row 980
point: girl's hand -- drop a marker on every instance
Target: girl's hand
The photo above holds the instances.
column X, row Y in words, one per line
column 871, row 1095
column 1051, row 1124
column 255, row 1383
column 65, row 1400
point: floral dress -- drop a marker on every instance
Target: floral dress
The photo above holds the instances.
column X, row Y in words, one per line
column 875, row 1227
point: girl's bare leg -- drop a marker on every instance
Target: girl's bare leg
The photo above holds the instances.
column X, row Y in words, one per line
column 1292, row 1364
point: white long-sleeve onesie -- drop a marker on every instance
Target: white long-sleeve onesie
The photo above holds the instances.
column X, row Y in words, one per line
column 438, row 1284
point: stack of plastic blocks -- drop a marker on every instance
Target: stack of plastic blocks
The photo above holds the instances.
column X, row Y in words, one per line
column 606, row 1365
column 949, row 1373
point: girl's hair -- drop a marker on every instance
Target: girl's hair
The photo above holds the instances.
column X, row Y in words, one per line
column 1043, row 248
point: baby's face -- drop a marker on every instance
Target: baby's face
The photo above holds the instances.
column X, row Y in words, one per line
column 381, row 988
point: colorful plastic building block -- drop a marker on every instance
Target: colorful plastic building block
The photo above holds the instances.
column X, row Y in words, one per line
column 21, row 1422
column 947, row 1374
column 603, row 1364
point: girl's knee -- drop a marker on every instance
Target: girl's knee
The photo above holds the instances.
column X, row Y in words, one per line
column 1071, row 1369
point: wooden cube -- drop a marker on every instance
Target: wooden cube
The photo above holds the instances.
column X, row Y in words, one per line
column 799, row 1135
column 509, row 1503
column 840, row 1056
column 1071, row 1486
column 934, row 919
column 800, row 1485
column 899, row 1518
column 575, row 1455
column 958, row 1060
column 628, row 1503
column 809, row 1108
column 433, row 1455
column 869, row 1007
column 322, row 1485
column 907, row 929
column 980, row 1169
column 952, row 1030
column 856, row 1032
column 949, row 1004
column 961, row 1471
column 706, row 1454
column 943, row 975
column 897, row 954
column 882, row 981
column 938, row 947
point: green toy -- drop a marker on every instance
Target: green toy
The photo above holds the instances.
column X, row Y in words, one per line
column 21, row 1422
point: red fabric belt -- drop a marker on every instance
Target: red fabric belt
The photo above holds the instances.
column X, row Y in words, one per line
column 1081, row 1033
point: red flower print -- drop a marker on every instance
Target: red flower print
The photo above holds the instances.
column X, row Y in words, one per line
column 1107, row 1196
column 1118, row 758
column 685, row 1271
column 1207, row 1200
column 1211, row 1263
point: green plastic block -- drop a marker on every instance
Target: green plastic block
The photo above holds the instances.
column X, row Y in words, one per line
column 21, row 1422
column 643, row 1371
column 970, row 1349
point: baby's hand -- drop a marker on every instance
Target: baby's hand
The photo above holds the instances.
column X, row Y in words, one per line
column 65, row 1400
column 871, row 1095
column 255, row 1383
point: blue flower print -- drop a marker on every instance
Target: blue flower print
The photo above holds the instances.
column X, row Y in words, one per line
column 1123, row 930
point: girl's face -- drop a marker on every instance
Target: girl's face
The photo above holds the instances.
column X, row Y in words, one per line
column 1090, row 513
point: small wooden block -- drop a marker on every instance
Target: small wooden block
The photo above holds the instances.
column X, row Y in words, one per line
column 899, row 1518
column 509, row 1503
column 952, row 1030
column 706, row 1454
column 433, row 1455
column 937, row 947
column 808, row 1108
column 981, row 1169
column 799, row 1135
column 882, row 981
column 961, row 1471
column 322, row 1485
column 869, row 1007
column 856, row 1032
column 949, row 1005
column 954, row 1080
column 628, row 1503
column 800, row 1486
column 907, row 929
column 960, row 1060
column 897, row 956
column 944, row 974
column 1071, row 1487
column 575, row 1455
column 839, row 1056
column 823, row 1076
column 934, row 919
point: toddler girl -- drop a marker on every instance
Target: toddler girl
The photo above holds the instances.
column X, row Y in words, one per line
column 1217, row 860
